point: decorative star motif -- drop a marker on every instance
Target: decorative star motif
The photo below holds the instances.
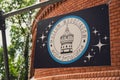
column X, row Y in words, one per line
column 49, row 26
column 85, row 61
column 102, row 8
column 43, row 44
column 99, row 45
column 89, row 56
column 98, row 34
column 105, row 38
column 46, row 31
column 52, row 21
column 92, row 49
column 93, row 52
column 42, row 37
column 95, row 31
column 37, row 41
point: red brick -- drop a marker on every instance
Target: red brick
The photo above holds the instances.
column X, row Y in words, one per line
column 73, row 5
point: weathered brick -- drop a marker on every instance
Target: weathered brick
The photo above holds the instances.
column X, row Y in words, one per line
column 68, row 6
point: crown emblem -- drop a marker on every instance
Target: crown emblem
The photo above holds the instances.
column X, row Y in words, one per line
column 66, row 41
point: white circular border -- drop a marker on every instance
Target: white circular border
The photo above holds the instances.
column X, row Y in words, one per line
column 81, row 54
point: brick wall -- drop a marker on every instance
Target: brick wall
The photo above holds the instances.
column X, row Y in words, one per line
column 82, row 73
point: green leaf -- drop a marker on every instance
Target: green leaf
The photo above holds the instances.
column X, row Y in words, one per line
column 20, row 32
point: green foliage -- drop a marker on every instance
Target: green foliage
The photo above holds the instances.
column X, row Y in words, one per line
column 20, row 38
column 2, row 73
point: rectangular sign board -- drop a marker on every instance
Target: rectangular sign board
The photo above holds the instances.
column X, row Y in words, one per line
column 76, row 39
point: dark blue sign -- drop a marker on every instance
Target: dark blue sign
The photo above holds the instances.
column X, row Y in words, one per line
column 76, row 39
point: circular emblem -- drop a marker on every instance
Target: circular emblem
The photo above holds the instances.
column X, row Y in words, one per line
column 68, row 39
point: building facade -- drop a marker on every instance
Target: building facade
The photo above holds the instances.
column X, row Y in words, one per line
column 80, row 73
column 66, row 41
